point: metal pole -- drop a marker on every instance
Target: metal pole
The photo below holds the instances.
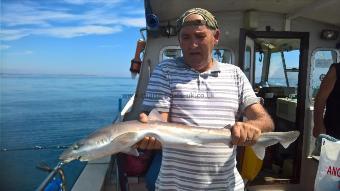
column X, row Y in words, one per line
column 56, row 170
column 120, row 105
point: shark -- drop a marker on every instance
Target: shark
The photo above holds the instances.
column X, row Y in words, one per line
column 122, row 136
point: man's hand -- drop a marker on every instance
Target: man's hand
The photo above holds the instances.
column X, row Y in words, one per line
column 147, row 143
column 244, row 134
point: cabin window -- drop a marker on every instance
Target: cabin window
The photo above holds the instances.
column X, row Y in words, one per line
column 321, row 61
column 222, row 55
column 285, row 70
column 258, row 66
column 173, row 52
column 282, row 68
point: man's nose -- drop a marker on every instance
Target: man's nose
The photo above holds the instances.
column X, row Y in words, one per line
column 194, row 42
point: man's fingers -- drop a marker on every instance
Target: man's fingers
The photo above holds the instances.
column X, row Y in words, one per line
column 143, row 118
column 148, row 143
column 244, row 134
column 154, row 143
column 151, row 143
column 144, row 143
column 235, row 132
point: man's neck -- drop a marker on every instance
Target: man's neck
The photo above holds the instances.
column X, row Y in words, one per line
column 208, row 66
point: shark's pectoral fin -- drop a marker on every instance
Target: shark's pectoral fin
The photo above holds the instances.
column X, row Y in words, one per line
column 131, row 151
column 260, row 147
column 127, row 139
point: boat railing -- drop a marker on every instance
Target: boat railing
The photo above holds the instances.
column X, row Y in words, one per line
column 82, row 183
column 55, row 180
column 125, row 109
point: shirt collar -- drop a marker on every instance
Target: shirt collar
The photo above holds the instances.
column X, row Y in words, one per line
column 214, row 69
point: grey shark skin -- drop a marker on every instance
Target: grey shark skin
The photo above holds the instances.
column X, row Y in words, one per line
column 120, row 137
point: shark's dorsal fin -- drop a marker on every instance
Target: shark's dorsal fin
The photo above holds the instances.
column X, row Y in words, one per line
column 154, row 115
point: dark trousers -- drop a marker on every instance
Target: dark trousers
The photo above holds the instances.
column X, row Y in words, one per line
column 153, row 171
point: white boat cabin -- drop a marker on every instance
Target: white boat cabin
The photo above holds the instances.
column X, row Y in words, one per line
column 284, row 47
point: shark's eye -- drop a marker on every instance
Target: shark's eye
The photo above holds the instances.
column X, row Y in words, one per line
column 77, row 146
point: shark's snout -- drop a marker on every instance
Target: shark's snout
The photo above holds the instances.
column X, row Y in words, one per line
column 70, row 154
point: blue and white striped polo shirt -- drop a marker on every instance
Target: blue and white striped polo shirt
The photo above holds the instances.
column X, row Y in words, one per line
column 213, row 99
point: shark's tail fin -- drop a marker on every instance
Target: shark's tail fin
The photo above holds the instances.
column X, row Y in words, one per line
column 284, row 138
column 288, row 138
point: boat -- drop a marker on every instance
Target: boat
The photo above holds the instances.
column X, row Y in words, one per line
column 284, row 47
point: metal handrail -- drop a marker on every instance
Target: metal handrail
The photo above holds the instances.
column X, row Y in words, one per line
column 53, row 173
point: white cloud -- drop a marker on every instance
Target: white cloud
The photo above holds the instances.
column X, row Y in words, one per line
column 109, row 46
column 21, row 53
column 60, row 32
column 13, row 34
column 134, row 22
column 107, row 17
column 69, row 32
column 113, row 20
column 66, row 21
column 27, row 52
column 21, row 14
column 81, row 2
column 31, row 13
column 4, row 46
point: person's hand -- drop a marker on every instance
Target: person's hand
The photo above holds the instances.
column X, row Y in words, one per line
column 143, row 118
column 147, row 143
column 244, row 134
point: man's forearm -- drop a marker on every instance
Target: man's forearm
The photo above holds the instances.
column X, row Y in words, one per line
column 264, row 123
column 258, row 117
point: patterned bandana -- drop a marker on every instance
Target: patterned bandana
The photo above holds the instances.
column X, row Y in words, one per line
column 209, row 19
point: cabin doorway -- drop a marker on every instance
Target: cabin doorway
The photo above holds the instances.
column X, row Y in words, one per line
column 276, row 65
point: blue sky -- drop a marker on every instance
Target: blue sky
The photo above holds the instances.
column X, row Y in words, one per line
column 92, row 37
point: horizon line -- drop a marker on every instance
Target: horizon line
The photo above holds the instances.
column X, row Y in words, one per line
column 60, row 74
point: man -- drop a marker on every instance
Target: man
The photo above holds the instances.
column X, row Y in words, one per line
column 197, row 90
column 328, row 96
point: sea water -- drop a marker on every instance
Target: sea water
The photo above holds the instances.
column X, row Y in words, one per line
column 38, row 113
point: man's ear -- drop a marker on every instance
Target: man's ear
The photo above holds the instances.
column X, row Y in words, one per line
column 217, row 36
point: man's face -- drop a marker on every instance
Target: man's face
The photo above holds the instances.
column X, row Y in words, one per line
column 197, row 43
